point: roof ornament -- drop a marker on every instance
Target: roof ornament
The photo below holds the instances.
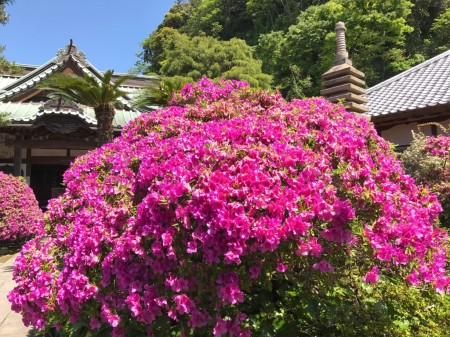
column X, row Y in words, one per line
column 71, row 50
column 341, row 46
column 60, row 56
column 69, row 47
column 59, row 104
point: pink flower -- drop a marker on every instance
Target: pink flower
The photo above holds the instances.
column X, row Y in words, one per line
column 20, row 216
column 254, row 271
column 229, row 291
column 281, row 267
column 220, row 328
column 167, row 239
column 323, row 266
column 413, row 278
column 94, row 323
column 183, row 303
column 372, row 276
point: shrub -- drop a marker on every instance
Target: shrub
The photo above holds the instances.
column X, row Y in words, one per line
column 428, row 161
column 19, row 211
column 193, row 220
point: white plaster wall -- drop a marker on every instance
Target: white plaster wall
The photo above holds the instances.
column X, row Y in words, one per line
column 399, row 134
column 402, row 134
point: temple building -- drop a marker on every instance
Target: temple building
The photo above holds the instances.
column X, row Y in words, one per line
column 417, row 96
column 44, row 135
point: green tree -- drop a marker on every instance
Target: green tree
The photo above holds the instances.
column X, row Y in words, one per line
column 100, row 94
column 3, row 15
column 423, row 15
column 295, row 39
column 178, row 15
column 289, row 78
column 441, row 33
column 223, row 19
column 181, row 58
column 5, row 65
column 376, row 40
column 275, row 15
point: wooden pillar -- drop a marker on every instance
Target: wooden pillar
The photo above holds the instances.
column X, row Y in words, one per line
column 28, row 162
column 17, row 156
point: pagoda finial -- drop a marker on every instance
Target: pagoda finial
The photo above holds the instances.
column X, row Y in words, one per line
column 341, row 47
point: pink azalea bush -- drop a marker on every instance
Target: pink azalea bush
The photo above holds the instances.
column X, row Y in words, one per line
column 428, row 161
column 185, row 218
column 439, row 147
column 19, row 211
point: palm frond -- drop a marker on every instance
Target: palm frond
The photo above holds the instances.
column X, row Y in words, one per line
column 85, row 90
column 99, row 93
column 161, row 95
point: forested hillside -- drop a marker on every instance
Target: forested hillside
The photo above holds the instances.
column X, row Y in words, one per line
column 289, row 43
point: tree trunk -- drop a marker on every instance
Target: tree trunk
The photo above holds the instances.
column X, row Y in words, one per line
column 105, row 115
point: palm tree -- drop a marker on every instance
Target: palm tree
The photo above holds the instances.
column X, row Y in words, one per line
column 160, row 96
column 100, row 94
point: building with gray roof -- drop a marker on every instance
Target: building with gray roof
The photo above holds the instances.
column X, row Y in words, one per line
column 417, row 96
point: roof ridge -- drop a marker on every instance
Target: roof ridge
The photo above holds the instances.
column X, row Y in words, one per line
column 407, row 72
column 58, row 61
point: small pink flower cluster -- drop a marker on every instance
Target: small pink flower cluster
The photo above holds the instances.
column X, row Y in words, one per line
column 198, row 205
column 440, row 147
column 20, row 215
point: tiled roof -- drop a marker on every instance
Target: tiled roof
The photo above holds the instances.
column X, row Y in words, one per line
column 425, row 85
column 27, row 113
column 23, row 113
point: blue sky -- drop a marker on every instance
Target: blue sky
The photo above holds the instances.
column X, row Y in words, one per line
column 109, row 32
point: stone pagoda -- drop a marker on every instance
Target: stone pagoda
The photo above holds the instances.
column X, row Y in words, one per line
column 343, row 82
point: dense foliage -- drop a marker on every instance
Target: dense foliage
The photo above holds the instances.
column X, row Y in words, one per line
column 157, row 96
column 4, row 121
column 295, row 39
column 428, row 161
column 20, row 215
column 233, row 211
column 182, row 58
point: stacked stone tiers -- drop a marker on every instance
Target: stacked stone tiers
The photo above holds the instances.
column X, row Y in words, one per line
column 344, row 83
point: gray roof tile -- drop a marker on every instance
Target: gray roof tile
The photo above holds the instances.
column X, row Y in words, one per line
column 427, row 84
